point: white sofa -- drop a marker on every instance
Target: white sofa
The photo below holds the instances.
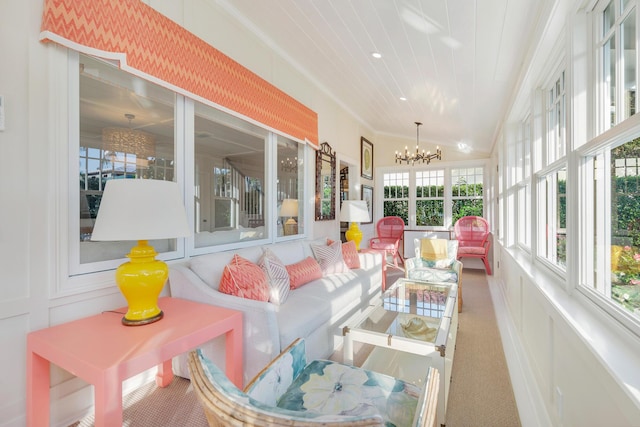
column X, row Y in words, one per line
column 316, row 311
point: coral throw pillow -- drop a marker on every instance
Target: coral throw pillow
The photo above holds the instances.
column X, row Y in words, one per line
column 350, row 254
column 330, row 258
column 277, row 275
column 303, row 272
column 244, row 279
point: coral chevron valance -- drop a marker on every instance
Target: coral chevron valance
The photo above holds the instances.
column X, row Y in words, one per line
column 148, row 44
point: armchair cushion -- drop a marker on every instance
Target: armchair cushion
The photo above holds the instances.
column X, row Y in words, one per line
column 330, row 388
column 436, row 253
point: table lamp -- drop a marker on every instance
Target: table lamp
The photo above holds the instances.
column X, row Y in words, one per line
column 354, row 211
column 290, row 208
column 142, row 210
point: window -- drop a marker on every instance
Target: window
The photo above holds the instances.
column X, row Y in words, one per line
column 430, row 198
column 126, row 131
column 229, row 177
column 466, row 192
column 396, row 195
column 552, row 217
column 616, row 225
column 434, row 198
column 556, row 121
column 617, row 56
column 131, row 129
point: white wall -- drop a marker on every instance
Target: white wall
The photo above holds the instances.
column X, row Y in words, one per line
column 34, row 183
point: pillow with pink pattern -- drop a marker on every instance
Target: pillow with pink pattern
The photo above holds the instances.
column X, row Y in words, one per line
column 330, row 258
column 303, row 272
column 350, row 254
column 244, row 279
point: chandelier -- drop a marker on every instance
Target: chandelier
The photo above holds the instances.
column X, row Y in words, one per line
column 129, row 140
column 289, row 165
column 412, row 158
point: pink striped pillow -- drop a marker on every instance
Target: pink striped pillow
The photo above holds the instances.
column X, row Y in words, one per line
column 244, row 279
column 277, row 275
column 303, row 272
column 330, row 258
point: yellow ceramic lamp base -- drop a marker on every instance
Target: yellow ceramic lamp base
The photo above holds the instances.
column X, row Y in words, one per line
column 354, row 233
column 141, row 280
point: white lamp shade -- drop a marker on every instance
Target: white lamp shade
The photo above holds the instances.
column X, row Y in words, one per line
column 289, row 207
column 354, row 211
column 140, row 209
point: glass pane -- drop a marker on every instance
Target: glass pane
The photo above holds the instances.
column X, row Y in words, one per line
column 624, row 286
column 629, row 59
column 290, row 180
column 553, row 213
column 466, row 207
column 430, row 212
column 397, row 208
column 229, row 178
column 608, row 18
column 609, row 76
column 126, row 130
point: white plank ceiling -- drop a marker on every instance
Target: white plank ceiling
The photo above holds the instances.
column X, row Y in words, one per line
column 455, row 61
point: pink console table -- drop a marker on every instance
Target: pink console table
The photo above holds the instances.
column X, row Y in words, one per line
column 103, row 352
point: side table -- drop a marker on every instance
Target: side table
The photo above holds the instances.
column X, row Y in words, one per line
column 103, row 352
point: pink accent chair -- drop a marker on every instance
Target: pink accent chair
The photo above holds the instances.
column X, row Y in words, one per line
column 472, row 233
column 390, row 231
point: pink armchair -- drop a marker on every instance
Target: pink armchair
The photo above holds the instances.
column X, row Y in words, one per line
column 390, row 231
column 472, row 233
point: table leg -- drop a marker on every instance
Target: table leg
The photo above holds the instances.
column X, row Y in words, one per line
column 165, row 374
column 108, row 402
column 234, row 358
column 347, row 350
column 38, row 384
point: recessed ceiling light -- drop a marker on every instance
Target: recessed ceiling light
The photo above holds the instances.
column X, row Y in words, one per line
column 402, row 98
column 376, row 55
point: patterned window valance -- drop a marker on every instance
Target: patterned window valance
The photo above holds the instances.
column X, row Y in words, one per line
column 148, row 44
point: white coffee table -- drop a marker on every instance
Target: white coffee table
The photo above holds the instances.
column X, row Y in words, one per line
column 401, row 353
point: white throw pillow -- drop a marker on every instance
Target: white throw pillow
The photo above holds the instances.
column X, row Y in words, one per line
column 330, row 258
column 277, row 276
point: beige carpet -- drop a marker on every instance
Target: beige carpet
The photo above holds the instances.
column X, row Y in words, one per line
column 480, row 393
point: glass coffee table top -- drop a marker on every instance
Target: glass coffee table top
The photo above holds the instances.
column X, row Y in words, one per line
column 410, row 309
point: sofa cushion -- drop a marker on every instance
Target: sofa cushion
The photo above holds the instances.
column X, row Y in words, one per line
column 277, row 276
column 330, row 258
column 350, row 254
column 244, row 279
column 303, row 272
column 210, row 267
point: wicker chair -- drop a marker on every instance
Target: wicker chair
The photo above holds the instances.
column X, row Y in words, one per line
column 225, row 405
column 390, row 231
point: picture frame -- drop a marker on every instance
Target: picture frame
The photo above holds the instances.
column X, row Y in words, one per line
column 367, row 195
column 366, row 158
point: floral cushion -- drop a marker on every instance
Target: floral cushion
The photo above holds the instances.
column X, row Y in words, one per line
column 429, row 274
column 303, row 272
column 277, row 275
column 330, row 388
column 244, row 279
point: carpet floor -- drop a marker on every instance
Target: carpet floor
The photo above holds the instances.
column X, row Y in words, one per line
column 480, row 393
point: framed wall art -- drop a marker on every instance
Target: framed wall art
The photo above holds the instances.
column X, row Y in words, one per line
column 367, row 195
column 366, row 158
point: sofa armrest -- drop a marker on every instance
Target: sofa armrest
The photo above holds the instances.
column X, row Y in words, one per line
column 260, row 326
